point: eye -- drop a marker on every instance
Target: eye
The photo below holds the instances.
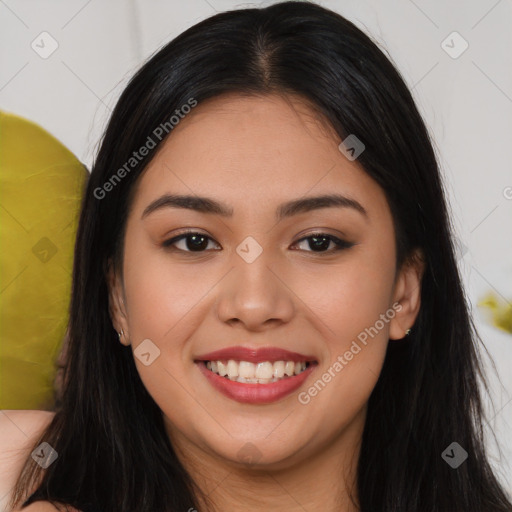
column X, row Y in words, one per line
column 320, row 242
column 191, row 241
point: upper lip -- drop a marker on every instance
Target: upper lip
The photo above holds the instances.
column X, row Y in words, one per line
column 254, row 355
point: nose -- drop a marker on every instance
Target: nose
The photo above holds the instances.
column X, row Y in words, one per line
column 255, row 296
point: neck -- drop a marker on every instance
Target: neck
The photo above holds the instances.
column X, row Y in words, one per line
column 324, row 480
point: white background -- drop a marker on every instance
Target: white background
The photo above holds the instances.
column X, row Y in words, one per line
column 466, row 101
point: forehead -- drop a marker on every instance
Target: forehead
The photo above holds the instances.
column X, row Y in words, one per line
column 253, row 152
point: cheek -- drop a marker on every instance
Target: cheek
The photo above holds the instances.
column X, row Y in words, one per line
column 166, row 303
column 348, row 297
column 162, row 295
column 356, row 342
column 351, row 307
column 354, row 301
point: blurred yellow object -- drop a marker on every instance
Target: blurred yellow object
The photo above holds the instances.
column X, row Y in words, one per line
column 500, row 311
column 41, row 186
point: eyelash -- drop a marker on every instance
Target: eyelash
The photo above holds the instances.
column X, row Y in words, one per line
column 339, row 244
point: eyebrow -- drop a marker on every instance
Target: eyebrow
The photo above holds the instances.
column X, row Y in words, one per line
column 288, row 209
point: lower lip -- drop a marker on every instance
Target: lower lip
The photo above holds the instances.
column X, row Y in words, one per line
column 256, row 393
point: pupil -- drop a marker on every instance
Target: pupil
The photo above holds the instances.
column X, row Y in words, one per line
column 198, row 242
column 319, row 242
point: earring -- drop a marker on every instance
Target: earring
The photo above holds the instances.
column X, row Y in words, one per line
column 408, row 332
column 120, row 334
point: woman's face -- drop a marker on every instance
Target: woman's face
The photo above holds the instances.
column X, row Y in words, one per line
column 260, row 273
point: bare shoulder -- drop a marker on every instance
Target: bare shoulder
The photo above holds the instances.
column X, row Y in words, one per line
column 19, row 430
column 40, row 506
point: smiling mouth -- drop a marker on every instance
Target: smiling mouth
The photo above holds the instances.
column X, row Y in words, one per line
column 264, row 372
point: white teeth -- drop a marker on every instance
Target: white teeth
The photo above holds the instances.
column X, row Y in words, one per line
column 246, row 369
column 260, row 373
column 232, row 369
column 221, row 369
column 289, row 368
column 264, row 370
column 279, row 369
column 256, row 381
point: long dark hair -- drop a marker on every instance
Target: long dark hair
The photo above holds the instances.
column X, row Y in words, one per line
column 108, row 432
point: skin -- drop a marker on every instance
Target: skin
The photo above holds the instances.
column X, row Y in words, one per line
column 19, row 431
column 252, row 154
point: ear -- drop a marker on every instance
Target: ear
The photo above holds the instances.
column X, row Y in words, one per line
column 407, row 293
column 117, row 308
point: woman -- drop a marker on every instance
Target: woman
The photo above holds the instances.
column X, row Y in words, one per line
column 266, row 312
